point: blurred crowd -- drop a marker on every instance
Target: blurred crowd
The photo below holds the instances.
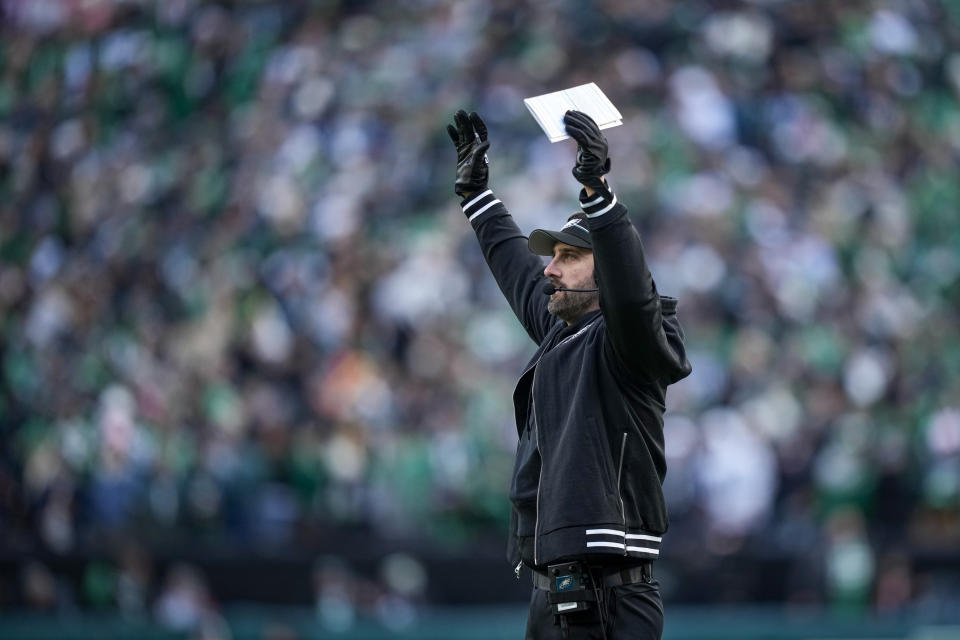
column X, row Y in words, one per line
column 240, row 305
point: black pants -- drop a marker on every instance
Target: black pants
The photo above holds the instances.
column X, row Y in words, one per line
column 633, row 612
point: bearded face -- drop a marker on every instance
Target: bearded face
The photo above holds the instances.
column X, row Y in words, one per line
column 570, row 306
column 571, row 268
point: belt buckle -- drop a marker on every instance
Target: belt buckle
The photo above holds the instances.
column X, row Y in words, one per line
column 630, row 575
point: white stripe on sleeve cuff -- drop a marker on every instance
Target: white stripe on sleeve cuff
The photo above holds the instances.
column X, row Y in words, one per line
column 487, row 206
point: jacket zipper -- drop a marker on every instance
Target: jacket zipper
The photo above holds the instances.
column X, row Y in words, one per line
column 536, row 522
column 536, row 427
column 533, row 408
column 623, row 511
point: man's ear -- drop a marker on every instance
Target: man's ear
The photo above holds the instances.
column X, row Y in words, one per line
column 596, row 277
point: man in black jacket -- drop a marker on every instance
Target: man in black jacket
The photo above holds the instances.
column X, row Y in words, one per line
column 588, row 508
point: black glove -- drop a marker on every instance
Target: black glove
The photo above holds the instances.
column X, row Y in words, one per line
column 470, row 136
column 592, row 160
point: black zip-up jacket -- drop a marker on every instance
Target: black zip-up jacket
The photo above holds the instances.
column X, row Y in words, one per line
column 590, row 463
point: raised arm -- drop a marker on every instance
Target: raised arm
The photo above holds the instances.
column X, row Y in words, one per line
column 642, row 328
column 518, row 272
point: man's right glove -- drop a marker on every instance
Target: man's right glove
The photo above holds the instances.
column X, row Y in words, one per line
column 592, row 160
column 470, row 137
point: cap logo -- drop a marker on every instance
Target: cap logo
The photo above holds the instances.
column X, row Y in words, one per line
column 574, row 223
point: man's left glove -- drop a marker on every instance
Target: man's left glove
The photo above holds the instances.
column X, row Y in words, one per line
column 470, row 137
column 592, row 160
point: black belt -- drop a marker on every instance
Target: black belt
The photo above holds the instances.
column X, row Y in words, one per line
column 612, row 577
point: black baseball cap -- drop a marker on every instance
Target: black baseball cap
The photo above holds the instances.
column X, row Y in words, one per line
column 574, row 233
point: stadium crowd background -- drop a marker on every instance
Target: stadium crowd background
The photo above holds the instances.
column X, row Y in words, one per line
column 241, row 310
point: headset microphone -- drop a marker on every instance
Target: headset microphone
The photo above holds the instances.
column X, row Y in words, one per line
column 549, row 289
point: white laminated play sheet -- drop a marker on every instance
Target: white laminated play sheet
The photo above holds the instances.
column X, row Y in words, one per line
column 548, row 109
